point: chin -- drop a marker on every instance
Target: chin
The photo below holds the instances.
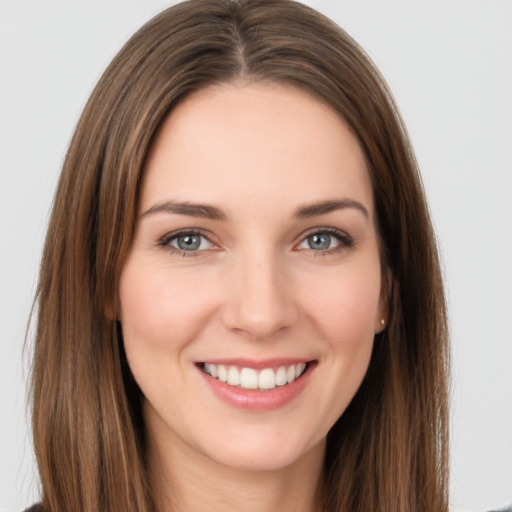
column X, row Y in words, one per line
column 266, row 450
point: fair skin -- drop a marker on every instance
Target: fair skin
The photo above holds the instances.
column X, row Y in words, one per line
column 256, row 252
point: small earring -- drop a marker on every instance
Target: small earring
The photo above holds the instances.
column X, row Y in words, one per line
column 382, row 321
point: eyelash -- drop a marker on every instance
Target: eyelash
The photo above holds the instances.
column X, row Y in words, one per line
column 345, row 241
column 165, row 241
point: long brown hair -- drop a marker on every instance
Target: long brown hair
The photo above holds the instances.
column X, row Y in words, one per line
column 388, row 451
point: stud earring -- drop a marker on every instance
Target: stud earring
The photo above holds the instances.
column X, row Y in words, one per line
column 382, row 321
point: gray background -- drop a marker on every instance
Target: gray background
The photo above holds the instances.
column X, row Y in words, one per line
column 449, row 64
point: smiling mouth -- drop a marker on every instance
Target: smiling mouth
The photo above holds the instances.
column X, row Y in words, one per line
column 264, row 379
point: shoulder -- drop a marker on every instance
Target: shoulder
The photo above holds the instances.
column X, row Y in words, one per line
column 35, row 508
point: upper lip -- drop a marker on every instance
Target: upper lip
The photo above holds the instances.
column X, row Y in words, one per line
column 258, row 364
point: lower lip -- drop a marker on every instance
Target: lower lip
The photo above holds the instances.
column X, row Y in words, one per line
column 253, row 400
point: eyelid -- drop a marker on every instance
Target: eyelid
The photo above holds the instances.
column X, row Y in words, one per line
column 166, row 239
column 345, row 240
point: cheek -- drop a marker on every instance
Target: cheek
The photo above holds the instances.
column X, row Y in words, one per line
column 343, row 310
column 345, row 304
column 161, row 308
column 162, row 312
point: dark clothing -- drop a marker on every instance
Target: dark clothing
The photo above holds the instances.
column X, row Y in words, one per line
column 39, row 508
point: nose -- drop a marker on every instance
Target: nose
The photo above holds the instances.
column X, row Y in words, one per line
column 261, row 301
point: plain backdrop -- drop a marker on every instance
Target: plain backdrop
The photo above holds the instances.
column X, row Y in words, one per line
column 449, row 64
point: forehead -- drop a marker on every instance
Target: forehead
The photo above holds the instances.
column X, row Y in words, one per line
column 233, row 144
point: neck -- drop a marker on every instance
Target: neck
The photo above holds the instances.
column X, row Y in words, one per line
column 184, row 480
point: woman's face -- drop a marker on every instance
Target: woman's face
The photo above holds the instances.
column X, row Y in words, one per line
column 252, row 292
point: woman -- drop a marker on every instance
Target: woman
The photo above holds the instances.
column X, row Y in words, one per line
column 240, row 301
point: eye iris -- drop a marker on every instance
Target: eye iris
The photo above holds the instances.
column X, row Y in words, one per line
column 189, row 242
column 319, row 241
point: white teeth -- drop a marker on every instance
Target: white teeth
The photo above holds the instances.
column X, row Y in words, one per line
column 267, row 379
column 222, row 373
column 233, row 376
column 249, row 378
column 281, row 376
column 290, row 374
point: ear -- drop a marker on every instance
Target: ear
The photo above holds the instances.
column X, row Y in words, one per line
column 382, row 316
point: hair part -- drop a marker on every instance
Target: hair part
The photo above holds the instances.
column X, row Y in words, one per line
column 388, row 451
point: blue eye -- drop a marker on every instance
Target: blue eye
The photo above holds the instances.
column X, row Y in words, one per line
column 319, row 241
column 326, row 240
column 186, row 242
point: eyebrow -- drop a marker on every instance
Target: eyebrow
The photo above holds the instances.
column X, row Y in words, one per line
column 323, row 207
column 204, row 211
column 207, row 211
